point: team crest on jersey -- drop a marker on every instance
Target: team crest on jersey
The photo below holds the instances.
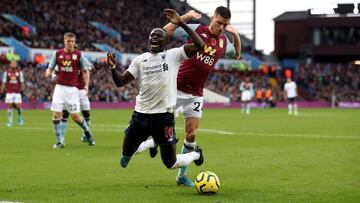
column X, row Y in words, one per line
column 74, row 56
column 221, row 43
column 213, row 42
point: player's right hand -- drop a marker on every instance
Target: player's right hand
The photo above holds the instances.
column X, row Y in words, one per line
column 48, row 72
column 173, row 16
column 110, row 60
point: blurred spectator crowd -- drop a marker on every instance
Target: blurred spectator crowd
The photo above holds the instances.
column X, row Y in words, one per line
column 324, row 81
column 53, row 18
column 134, row 20
column 318, row 82
column 101, row 88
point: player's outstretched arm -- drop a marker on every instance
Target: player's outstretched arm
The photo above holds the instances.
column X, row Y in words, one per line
column 119, row 79
column 198, row 43
column 191, row 15
column 237, row 41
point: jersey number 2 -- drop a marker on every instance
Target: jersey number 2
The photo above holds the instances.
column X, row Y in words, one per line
column 197, row 106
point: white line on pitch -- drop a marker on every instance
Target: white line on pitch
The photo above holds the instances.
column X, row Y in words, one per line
column 1, row 201
column 120, row 128
column 108, row 128
column 299, row 135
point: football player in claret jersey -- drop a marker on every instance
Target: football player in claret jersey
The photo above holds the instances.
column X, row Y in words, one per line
column 155, row 104
column 194, row 72
column 13, row 82
column 290, row 94
column 84, row 103
column 66, row 94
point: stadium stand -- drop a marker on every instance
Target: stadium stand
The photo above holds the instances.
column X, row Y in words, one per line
column 322, row 81
column 50, row 19
column 316, row 81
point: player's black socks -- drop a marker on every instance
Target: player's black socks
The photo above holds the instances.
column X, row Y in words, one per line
column 19, row 111
column 86, row 115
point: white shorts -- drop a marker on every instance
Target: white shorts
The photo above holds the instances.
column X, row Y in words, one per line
column 192, row 105
column 65, row 98
column 245, row 96
column 84, row 101
column 13, row 98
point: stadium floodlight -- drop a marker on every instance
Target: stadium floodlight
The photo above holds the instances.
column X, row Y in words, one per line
column 356, row 9
column 324, row 9
column 357, row 62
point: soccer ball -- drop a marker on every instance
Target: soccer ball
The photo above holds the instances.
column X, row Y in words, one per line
column 207, row 183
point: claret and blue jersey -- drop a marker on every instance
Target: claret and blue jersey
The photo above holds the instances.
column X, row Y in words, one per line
column 194, row 72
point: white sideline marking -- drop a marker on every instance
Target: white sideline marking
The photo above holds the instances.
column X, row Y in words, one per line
column 1, row 201
column 299, row 135
column 109, row 128
column 214, row 131
column 120, row 128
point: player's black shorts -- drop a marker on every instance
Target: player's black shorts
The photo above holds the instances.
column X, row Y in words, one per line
column 160, row 126
column 292, row 99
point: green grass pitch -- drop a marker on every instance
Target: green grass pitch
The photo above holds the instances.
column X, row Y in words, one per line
column 267, row 156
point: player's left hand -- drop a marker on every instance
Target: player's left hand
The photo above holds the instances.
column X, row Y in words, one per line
column 234, row 34
column 193, row 15
column 173, row 16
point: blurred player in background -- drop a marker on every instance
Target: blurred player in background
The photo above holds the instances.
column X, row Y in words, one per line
column 13, row 82
column 155, row 104
column 290, row 90
column 247, row 92
column 194, row 72
column 66, row 93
